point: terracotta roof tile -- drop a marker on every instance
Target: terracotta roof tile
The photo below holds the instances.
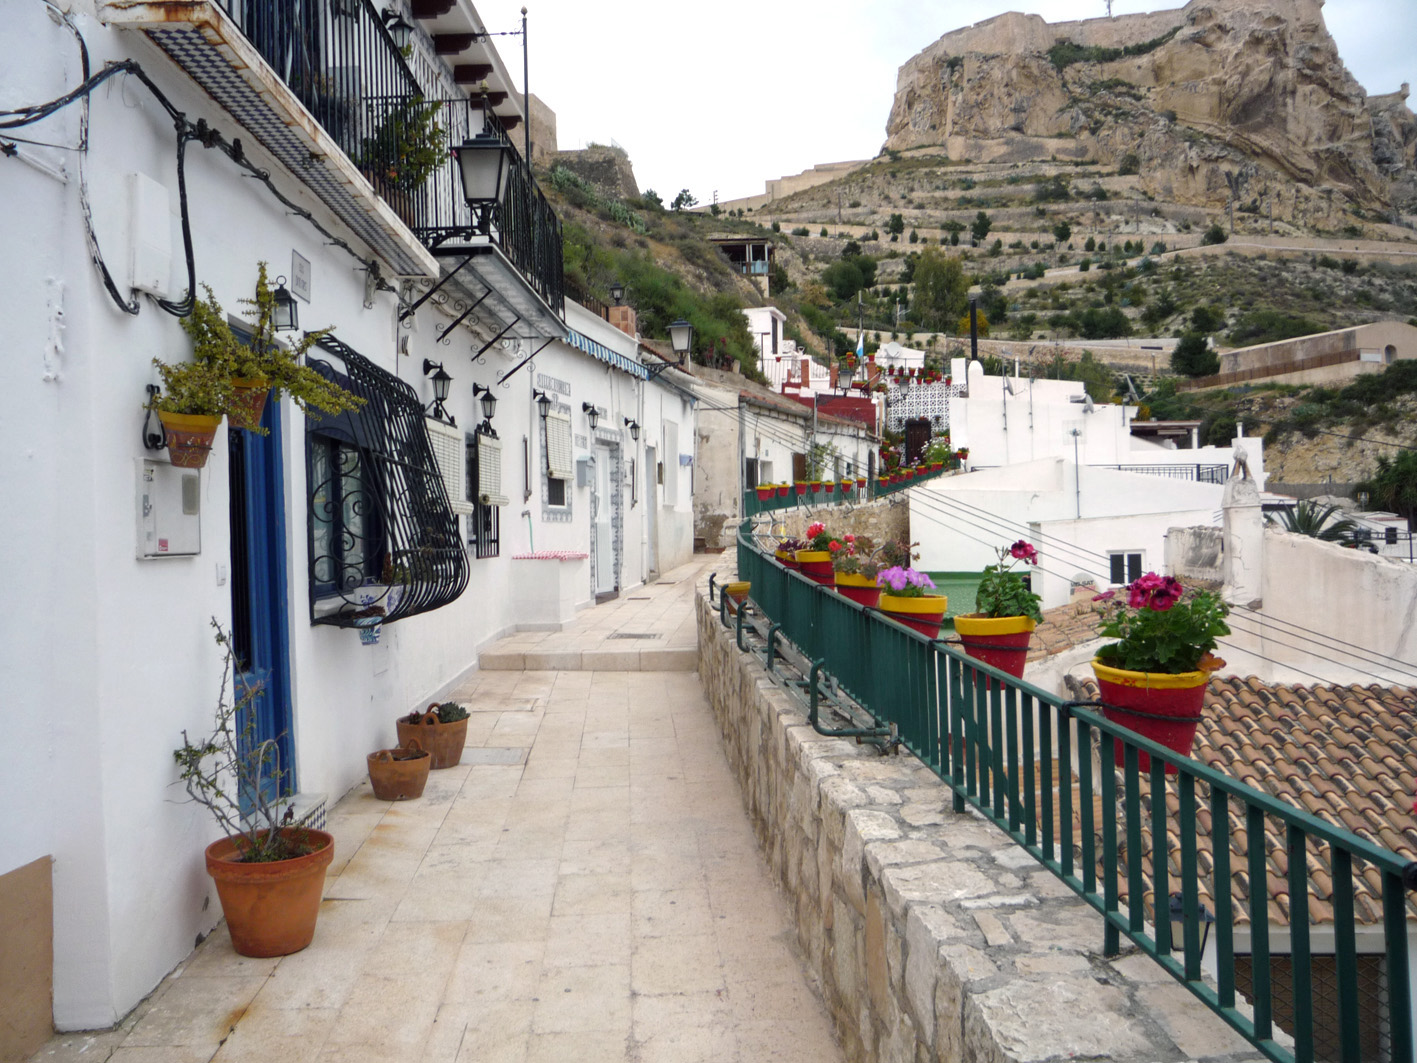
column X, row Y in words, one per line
column 1346, row 755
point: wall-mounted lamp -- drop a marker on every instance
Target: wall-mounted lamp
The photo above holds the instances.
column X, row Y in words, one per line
column 592, row 415
column 399, row 30
column 484, row 162
column 543, row 401
column 617, row 292
column 634, row 427
column 681, row 337
column 489, row 404
column 285, row 316
column 441, row 382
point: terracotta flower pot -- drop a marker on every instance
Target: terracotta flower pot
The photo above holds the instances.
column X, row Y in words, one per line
column 445, row 741
column 189, row 437
column 816, row 565
column 735, row 593
column 399, row 774
column 924, row 614
column 860, row 589
column 1136, row 700
column 270, row 907
column 788, row 559
column 248, row 401
column 1001, row 641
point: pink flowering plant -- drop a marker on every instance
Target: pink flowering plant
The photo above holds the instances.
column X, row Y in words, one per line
column 904, row 582
column 1002, row 591
column 1163, row 627
column 818, row 538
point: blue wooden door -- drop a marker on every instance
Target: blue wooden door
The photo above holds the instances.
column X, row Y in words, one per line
column 259, row 623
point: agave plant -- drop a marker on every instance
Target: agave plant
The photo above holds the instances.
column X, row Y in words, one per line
column 1311, row 519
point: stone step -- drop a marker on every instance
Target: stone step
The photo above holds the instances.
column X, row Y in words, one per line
column 663, row 659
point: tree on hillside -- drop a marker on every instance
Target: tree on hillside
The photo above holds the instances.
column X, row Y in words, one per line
column 941, row 289
column 1193, row 357
column 1062, row 232
column 652, row 200
column 896, row 225
column 683, row 200
column 980, row 229
column 1394, row 486
column 1312, row 519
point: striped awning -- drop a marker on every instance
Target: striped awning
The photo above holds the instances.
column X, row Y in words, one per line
column 622, row 362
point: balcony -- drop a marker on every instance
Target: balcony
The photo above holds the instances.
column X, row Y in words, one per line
column 323, row 88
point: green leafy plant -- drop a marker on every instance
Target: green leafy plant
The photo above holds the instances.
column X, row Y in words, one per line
column 1002, row 591
column 818, row 538
column 193, row 388
column 1162, row 627
column 856, row 556
column 1317, row 521
column 408, row 145
column 239, row 780
column 450, row 712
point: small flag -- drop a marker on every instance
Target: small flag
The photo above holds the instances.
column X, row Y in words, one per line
column 860, row 345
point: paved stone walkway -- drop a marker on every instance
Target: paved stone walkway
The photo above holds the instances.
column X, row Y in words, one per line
column 583, row 886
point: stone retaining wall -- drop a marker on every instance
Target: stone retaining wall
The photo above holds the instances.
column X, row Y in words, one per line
column 932, row 936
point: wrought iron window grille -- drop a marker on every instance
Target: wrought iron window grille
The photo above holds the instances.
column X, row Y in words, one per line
column 384, row 540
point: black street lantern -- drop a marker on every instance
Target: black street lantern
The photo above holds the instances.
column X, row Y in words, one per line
column 441, row 383
column 681, row 337
column 543, row 400
column 285, row 316
column 399, row 30
column 484, row 162
column 617, row 292
column 592, row 415
column 489, row 402
column 634, row 427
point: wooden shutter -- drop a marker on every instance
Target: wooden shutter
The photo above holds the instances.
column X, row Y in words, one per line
column 558, row 446
column 489, row 471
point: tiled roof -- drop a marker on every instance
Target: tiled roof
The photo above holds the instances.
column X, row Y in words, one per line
column 1345, row 754
column 1064, row 627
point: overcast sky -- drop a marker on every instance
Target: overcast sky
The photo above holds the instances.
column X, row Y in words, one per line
column 724, row 95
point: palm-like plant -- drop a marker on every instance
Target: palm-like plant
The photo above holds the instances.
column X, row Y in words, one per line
column 1311, row 519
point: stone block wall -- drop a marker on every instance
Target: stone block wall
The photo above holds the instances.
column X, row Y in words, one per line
column 932, row 937
column 887, row 518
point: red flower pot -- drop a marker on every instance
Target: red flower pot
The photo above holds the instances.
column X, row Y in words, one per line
column 801, row 488
column 783, row 490
column 816, row 488
column 788, row 558
column 1000, row 641
column 860, row 589
column 816, row 565
column 829, row 487
column 765, row 493
column 1136, row 700
column 923, row 614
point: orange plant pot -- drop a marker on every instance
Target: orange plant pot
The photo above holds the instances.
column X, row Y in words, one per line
column 270, row 907
column 399, row 774
column 445, row 741
column 248, row 401
column 189, row 437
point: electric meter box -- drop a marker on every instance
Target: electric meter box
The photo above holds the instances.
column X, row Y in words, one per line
column 585, row 472
column 169, row 510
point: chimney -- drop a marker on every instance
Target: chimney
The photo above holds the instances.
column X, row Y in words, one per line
column 831, row 380
column 623, row 318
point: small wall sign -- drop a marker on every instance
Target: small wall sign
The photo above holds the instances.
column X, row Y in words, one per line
column 300, row 275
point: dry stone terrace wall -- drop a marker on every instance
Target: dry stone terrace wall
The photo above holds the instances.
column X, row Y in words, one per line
column 887, row 518
column 932, row 936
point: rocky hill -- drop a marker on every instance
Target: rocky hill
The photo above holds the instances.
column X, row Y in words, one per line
column 1219, row 97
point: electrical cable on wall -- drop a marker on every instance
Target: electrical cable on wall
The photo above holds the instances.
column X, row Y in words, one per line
column 187, row 131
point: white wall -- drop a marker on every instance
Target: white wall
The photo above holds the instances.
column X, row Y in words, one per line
column 111, row 658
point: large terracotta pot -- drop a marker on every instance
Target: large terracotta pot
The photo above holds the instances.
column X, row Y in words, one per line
column 189, row 437
column 735, row 593
column 816, row 565
column 860, row 589
column 248, row 401
column 924, row 614
column 444, row 740
column 1158, row 705
column 1001, row 641
column 271, row 907
column 399, row 774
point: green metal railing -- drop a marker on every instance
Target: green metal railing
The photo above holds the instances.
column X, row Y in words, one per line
column 1023, row 757
column 872, row 489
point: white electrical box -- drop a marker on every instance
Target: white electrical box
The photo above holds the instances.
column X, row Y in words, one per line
column 149, row 234
column 169, row 510
column 585, row 472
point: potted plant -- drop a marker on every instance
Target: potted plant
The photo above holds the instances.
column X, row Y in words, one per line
column 1006, row 612
column 846, row 486
column 191, row 404
column 783, row 490
column 829, row 486
column 736, row 592
column 269, row 869
column 407, row 147
column 1153, row 678
column 801, row 486
column 815, row 485
column 786, row 552
column 442, row 730
column 856, row 566
column 765, row 492
column 814, row 560
column 905, row 598
column 399, row 774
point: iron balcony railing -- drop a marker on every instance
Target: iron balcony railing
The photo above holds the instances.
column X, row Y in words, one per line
column 344, row 67
column 1025, row 758
column 1201, row 473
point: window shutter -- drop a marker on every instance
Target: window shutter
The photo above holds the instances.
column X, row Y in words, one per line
column 1133, row 567
column 558, row 446
column 448, row 450
column 1118, row 570
column 489, row 471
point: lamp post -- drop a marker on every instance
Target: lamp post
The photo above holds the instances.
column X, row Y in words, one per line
column 441, row 383
column 617, row 292
column 681, row 338
column 483, row 163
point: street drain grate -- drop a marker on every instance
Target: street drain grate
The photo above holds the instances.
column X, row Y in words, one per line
column 634, row 635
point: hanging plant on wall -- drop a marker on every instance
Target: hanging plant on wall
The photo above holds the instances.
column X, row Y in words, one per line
column 407, row 146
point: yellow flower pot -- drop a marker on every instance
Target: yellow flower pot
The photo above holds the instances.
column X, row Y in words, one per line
column 923, row 614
